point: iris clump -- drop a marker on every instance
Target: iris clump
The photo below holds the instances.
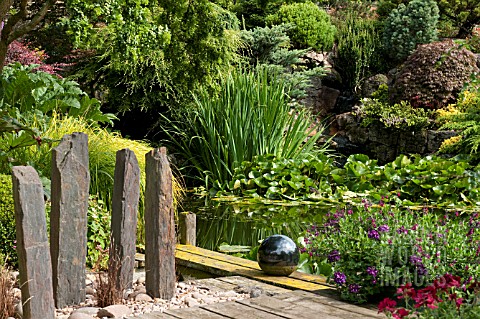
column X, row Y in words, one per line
column 375, row 248
column 251, row 116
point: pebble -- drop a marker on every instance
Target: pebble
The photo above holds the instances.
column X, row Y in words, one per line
column 191, row 302
column 143, row 297
column 137, row 302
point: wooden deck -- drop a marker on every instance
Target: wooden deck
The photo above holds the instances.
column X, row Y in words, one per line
column 275, row 303
column 297, row 296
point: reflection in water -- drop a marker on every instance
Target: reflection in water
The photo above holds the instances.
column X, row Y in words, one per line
column 235, row 224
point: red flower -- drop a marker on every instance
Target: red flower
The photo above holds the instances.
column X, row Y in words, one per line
column 447, row 281
column 427, row 297
column 400, row 313
column 406, row 290
column 387, row 304
column 459, row 302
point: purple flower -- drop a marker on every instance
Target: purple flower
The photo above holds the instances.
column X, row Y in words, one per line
column 372, row 271
column 339, row 278
column 402, row 230
column 333, row 256
column 373, row 234
column 421, row 270
column 415, row 260
column 383, row 228
column 354, row 288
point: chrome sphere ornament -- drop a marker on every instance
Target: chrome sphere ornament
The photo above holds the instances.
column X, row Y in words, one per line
column 278, row 255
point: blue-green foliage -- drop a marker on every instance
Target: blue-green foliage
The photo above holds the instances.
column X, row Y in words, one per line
column 269, row 49
column 410, row 25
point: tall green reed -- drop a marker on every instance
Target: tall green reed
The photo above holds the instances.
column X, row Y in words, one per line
column 250, row 116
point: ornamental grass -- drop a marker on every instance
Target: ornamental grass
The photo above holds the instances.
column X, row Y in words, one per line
column 7, row 298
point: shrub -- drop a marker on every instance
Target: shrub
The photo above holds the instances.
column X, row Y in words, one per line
column 39, row 94
column 463, row 118
column 28, row 99
column 433, row 75
column 98, row 234
column 251, row 116
column 385, row 7
column 410, row 25
column 376, row 248
column 269, row 49
column 21, row 53
column 358, row 49
column 311, row 25
column 7, row 222
column 399, row 115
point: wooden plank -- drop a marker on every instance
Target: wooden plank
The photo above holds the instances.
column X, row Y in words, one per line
column 155, row 315
column 306, row 309
column 240, row 311
column 242, row 281
column 214, row 284
column 194, row 312
column 225, row 269
column 299, row 297
column 247, row 263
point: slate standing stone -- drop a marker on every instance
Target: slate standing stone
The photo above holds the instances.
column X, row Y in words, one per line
column 159, row 226
column 188, row 228
column 32, row 244
column 68, row 219
column 126, row 193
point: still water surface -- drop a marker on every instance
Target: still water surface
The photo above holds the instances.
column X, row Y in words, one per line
column 240, row 224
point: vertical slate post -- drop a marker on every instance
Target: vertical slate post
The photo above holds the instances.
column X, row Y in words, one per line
column 159, row 226
column 126, row 192
column 68, row 219
column 188, row 228
column 32, row 244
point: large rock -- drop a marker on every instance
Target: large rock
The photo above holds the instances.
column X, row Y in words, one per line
column 436, row 138
column 32, row 245
column 159, row 226
column 372, row 83
column 381, row 143
column 126, row 192
column 68, row 218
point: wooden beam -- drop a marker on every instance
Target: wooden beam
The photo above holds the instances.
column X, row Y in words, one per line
column 226, row 268
column 248, row 264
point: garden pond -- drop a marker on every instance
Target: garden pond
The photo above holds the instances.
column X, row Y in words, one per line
column 234, row 223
